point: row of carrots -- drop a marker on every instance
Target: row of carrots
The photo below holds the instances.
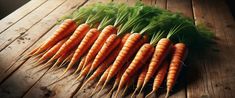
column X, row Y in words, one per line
column 127, row 45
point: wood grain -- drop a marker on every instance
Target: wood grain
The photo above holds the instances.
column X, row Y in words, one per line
column 207, row 75
column 26, row 9
column 22, row 26
column 26, row 78
column 214, row 77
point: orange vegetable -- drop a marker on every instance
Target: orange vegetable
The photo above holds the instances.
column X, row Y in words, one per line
column 105, row 33
column 85, row 44
column 144, row 53
column 132, row 45
column 52, row 51
column 178, row 56
column 106, row 49
column 161, row 51
column 159, row 77
column 64, row 30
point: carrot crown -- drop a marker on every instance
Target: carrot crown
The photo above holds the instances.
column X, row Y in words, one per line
column 139, row 13
column 121, row 14
column 156, row 37
column 174, row 30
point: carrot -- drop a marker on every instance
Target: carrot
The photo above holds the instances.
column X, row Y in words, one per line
column 87, row 41
column 84, row 71
column 118, row 78
column 64, row 58
column 64, row 30
column 178, row 56
column 105, row 33
column 101, row 80
column 159, row 77
column 144, row 53
column 140, row 80
column 73, row 41
column 106, row 49
column 80, row 66
column 52, row 51
column 124, row 55
column 159, row 55
column 162, row 49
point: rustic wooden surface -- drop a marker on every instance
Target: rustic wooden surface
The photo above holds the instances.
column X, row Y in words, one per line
column 210, row 75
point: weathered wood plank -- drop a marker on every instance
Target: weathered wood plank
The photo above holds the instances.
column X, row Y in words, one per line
column 63, row 88
column 149, row 2
column 181, row 6
column 214, row 75
column 23, row 75
column 161, row 3
column 11, row 53
column 22, row 26
column 21, row 12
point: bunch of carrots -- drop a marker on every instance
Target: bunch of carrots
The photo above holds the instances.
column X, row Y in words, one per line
column 123, row 45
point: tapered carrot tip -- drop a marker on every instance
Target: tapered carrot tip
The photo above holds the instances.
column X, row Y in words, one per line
column 84, row 84
column 167, row 94
column 117, row 93
column 132, row 96
column 123, row 93
column 87, row 75
column 149, row 94
column 110, row 92
column 93, row 92
column 141, row 89
column 101, row 89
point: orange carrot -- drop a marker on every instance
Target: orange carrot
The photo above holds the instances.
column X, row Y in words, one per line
column 144, row 53
column 85, row 44
column 124, row 55
column 52, row 51
column 106, row 49
column 161, row 51
column 140, row 79
column 64, row 58
column 84, row 71
column 178, row 56
column 64, row 30
column 159, row 77
column 105, row 33
column 73, row 41
column 118, row 78
column 108, row 61
column 80, row 66
column 102, row 79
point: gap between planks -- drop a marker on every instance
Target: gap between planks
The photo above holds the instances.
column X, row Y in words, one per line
column 78, row 1
column 20, row 32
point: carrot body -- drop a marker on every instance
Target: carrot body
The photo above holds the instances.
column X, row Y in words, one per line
column 126, row 52
column 52, row 51
column 118, row 77
column 73, row 41
column 144, row 53
column 106, row 49
column 161, row 51
column 102, row 79
column 178, row 56
column 62, row 59
column 64, row 30
column 80, row 66
column 159, row 77
column 105, row 33
column 85, row 44
column 85, row 70
column 140, row 79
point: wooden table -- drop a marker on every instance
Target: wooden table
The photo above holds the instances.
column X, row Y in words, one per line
column 207, row 76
